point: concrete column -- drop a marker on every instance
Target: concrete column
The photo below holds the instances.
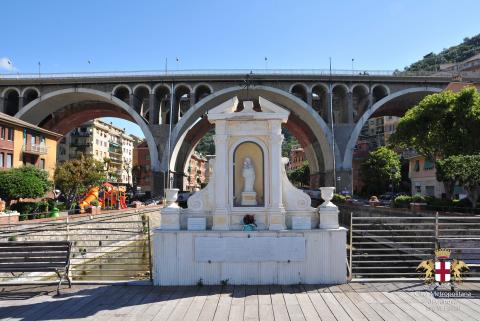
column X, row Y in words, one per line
column 153, row 116
column 175, row 109
column 2, row 106
column 220, row 215
column 131, row 101
column 277, row 212
column 20, row 102
column 329, row 107
column 370, row 100
column 309, row 97
column 350, row 107
column 192, row 99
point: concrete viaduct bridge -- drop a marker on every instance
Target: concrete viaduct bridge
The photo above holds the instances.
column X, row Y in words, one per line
column 60, row 102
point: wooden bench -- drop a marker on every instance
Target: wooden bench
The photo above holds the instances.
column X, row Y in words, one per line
column 36, row 256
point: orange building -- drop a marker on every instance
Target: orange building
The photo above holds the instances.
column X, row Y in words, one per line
column 22, row 143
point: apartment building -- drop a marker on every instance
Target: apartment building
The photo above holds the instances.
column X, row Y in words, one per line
column 104, row 142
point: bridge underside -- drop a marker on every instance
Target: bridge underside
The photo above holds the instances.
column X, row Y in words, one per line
column 74, row 115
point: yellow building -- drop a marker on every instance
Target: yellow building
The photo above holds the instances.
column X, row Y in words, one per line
column 22, row 143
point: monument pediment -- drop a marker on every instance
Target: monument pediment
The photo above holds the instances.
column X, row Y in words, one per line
column 227, row 111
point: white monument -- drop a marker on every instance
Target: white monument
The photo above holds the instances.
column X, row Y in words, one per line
column 292, row 243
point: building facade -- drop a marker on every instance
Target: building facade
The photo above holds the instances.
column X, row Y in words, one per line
column 196, row 172
column 22, row 143
column 422, row 174
column 104, row 142
column 141, row 172
column 296, row 157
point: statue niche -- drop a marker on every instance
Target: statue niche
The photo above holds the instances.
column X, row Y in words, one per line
column 248, row 180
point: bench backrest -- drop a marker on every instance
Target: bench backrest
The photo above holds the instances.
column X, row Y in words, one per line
column 33, row 255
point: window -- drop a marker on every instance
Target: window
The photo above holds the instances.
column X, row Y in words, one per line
column 42, row 140
column 3, row 133
column 428, row 165
column 10, row 133
column 417, row 166
column 418, row 189
column 32, row 139
column 2, row 155
column 430, row 190
column 9, row 160
column 42, row 163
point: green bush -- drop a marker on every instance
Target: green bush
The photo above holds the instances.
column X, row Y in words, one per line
column 27, row 208
column 418, row 199
column 338, row 198
column 402, row 201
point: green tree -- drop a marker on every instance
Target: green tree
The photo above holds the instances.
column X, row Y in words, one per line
column 442, row 125
column 23, row 182
column 76, row 176
column 464, row 170
column 380, row 169
column 206, row 145
column 300, row 176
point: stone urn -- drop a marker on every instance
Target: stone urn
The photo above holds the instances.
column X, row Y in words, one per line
column 171, row 195
column 328, row 211
column 170, row 215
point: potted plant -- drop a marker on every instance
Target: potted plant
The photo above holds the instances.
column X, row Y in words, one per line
column 94, row 207
column 249, row 223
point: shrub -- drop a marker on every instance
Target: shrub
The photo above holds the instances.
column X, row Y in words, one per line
column 418, row 199
column 94, row 203
column 338, row 198
column 402, row 201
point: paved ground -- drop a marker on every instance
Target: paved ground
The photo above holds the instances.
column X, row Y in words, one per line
column 357, row 301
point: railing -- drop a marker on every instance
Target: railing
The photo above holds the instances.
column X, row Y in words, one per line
column 239, row 72
column 35, row 149
column 393, row 247
column 113, row 246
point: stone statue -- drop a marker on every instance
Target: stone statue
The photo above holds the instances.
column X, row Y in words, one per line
column 248, row 174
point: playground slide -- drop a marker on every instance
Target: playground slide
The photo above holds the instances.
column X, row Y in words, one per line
column 122, row 202
column 91, row 195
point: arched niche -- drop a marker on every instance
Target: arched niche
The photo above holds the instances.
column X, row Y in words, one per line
column 255, row 152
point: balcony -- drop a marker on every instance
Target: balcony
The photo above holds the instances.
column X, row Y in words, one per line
column 35, row 149
column 80, row 134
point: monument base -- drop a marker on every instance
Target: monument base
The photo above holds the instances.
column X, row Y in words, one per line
column 249, row 199
column 259, row 257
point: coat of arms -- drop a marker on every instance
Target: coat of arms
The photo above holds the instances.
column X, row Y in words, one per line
column 442, row 269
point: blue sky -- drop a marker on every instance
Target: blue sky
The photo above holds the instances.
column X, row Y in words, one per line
column 138, row 35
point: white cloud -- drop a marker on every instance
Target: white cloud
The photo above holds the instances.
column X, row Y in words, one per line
column 6, row 64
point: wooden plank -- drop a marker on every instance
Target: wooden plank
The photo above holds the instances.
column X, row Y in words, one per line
column 363, row 306
column 293, row 307
column 211, row 304
column 196, row 307
column 166, row 310
column 223, row 307
column 306, row 305
column 156, row 303
column 318, row 303
column 407, row 308
column 184, row 304
column 278, row 304
column 238, row 304
column 348, row 306
column 335, row 307
column 265, row 308
column 428, row 314
column 251, row 312
column 390, row 306
column 383, row 312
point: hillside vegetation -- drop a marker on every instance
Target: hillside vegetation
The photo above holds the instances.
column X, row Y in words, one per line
column 431, row 62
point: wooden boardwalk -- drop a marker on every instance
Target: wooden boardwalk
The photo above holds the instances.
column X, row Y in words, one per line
column 354, row 301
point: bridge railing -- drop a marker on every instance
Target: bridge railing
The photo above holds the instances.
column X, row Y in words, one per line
column 229, row 72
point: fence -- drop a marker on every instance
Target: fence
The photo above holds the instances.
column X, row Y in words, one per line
column 114, row 246
column 393, row 246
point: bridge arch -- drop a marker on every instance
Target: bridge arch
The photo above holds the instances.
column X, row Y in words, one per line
column 40, row 108
column 304, row 123
column 348, row 155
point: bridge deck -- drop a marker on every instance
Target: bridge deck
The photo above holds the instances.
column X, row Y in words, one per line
column 354, row 301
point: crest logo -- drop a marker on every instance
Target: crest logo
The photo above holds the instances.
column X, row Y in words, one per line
column 441, row 269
